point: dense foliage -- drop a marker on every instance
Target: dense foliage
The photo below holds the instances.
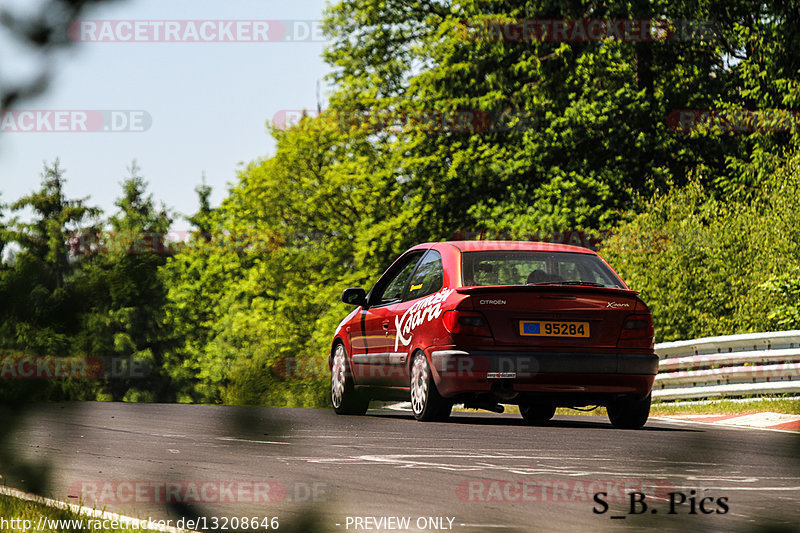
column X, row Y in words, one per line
column 711, row 266
column 438, row 126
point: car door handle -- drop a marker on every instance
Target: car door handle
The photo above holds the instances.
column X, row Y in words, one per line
column 386, row 326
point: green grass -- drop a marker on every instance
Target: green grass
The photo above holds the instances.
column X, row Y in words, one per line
column 728, row 407
column 17, row 509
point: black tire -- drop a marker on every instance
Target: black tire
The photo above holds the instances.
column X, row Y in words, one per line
column 629, row 413
column 426, row 402
column 445, row 410
column 344, row 397
column 538, row 413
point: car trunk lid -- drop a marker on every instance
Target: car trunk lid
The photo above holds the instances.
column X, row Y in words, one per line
column 552, row 316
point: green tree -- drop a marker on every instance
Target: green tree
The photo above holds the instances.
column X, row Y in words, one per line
column 3, row 235
column 197, row 277
column 126, row 322
column 202, row 219
column 55, row 220
column 40, row 304
column 761, row 48
column 584, row 124
column 262, row 294
column 707, row 266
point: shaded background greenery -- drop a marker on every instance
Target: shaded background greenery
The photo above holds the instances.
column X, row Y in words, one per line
column 703, row 223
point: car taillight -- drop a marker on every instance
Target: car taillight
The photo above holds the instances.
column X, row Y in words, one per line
column 637, row 328
column 466, row 323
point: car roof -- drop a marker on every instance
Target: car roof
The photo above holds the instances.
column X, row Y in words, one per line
column 526, row 246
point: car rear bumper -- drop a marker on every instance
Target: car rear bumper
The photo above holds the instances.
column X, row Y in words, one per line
column 476, row 371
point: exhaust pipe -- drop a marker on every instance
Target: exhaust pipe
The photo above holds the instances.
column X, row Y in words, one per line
column 493, row 407
column 503, row 390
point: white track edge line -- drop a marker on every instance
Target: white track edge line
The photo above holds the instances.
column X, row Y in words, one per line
column 722, row 425
column 93, row 513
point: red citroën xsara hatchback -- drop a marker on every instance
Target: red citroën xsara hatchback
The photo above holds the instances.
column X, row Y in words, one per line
column 486, row 323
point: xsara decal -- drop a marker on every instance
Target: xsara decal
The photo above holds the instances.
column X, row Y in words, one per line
column 423, row 311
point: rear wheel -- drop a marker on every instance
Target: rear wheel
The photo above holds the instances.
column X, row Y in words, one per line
column 629, row 413
column 537, row 414
column 346, row 400
column 426, row 402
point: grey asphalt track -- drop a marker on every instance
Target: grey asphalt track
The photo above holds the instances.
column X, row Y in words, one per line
column 475, row 473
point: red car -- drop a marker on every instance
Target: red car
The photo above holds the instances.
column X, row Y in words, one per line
column 485, row 323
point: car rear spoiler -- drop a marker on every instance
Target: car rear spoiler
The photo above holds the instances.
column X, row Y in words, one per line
column 549, row 288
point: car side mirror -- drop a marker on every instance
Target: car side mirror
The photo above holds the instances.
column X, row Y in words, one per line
column 354, row 296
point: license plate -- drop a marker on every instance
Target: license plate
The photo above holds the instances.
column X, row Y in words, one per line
column 554, row 329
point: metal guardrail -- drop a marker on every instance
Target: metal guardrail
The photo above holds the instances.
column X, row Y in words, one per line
column 729, row 366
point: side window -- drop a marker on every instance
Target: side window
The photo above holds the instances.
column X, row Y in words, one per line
column 390, row 288
column 428, row 278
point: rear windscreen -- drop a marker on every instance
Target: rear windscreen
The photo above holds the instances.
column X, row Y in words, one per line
column 545, row 268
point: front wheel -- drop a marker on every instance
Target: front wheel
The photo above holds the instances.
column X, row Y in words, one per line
column 426, row 402
column 629, row 413
column 346, row 400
